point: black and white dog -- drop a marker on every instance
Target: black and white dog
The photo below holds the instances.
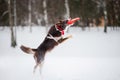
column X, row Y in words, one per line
column 53, row 38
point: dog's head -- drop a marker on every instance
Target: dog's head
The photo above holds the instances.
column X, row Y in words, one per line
column 64, row 23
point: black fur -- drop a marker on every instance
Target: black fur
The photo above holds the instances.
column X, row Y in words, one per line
column 48, row 44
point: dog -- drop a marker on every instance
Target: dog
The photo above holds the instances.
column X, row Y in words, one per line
column 52, row 39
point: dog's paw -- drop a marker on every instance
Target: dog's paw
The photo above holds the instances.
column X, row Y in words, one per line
column 70, row 36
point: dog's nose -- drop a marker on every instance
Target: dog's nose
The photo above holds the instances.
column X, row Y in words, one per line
column 71, row 21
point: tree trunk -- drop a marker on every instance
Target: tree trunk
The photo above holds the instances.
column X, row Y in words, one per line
column 67, row 16
column 45, row 14
column 13, row 41
column 105, row 16
column 83, row 16
column 15, row 19
column 67, row 9
column 30, row 14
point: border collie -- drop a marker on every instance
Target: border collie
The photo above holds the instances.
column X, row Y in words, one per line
column 53, row 38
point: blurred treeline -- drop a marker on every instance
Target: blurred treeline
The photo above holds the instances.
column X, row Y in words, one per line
column 42, row 12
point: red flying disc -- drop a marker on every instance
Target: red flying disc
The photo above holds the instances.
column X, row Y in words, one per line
column 71, row 21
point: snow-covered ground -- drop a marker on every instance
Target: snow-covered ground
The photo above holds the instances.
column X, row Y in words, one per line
column 88, row 55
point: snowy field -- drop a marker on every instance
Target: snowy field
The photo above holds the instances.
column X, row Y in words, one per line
column 88, row 55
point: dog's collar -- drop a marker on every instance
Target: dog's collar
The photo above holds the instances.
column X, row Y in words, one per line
column 60, row 29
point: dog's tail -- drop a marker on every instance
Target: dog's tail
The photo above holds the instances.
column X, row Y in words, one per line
column 28, row 50
column 39, row 58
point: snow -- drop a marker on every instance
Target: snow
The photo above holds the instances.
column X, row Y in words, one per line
column 88, row 55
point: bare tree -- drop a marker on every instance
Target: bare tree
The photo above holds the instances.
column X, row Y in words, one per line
column 45, row 14
column 102, row 4
column 15, row 19
column 67, row 9
column 13, row 40
column 105, row 15
column 30, row 14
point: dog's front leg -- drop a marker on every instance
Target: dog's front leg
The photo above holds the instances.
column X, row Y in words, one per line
column 63, row 39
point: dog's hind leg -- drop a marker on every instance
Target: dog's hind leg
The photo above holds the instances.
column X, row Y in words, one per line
column 36, row 61
column 35, row 68
column 41, row 66
column 39, row 59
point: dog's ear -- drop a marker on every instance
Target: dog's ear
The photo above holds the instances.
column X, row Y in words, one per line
column 60, row 21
